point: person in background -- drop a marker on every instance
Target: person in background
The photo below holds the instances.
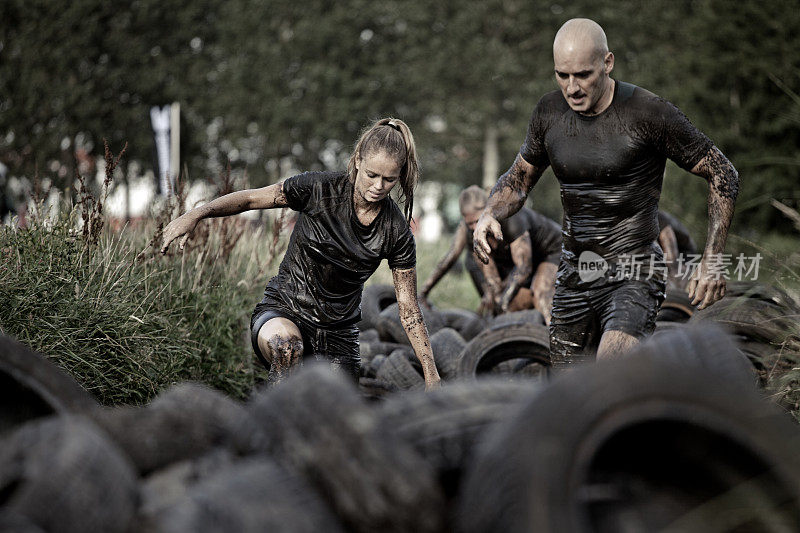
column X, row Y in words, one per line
column 521, row 271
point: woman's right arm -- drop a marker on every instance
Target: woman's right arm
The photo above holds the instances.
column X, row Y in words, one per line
column 230, row 204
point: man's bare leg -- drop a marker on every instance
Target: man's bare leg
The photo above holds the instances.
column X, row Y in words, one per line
column 614, row 344
column 543, row 288
column 281, row 343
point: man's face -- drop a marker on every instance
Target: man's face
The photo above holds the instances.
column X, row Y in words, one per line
column 582, row 76
column 471, row 217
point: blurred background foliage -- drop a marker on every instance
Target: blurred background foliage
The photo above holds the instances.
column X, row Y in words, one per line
column 277, row 85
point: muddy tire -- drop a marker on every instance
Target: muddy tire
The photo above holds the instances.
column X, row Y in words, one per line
column 374, row 300
column 676, row 307
column 33, row 387
column 708, row 347
column 580, row 457
column 467, row 323
column 63, row 474
column 502, row 343
column 447, row 345
column 446, row 425
column 183, row 422
column 368, row 350
column 756, row 319
column 163, row 488
column 527, row 316
column 397, row 371
column 253, row 495
column 391, row 329
column 320, row 426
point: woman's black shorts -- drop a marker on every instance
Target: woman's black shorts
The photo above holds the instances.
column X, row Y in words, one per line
column 338, row 346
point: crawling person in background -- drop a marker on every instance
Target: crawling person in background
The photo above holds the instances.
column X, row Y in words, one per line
column 607, row 142
column 347, row 225
column 521, row 271
column 675, row 241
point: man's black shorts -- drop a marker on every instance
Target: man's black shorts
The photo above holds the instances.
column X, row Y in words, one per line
column 581, row 316
column 337, row 346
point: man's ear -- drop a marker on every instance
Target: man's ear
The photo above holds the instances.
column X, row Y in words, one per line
column 608, row 61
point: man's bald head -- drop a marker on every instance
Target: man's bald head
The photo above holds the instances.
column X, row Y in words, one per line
column 581, row 36
column 583, row 64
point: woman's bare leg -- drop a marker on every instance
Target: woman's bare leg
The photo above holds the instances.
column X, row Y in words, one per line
column 281, row 343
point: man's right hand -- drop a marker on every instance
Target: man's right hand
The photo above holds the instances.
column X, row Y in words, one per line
column 487, row 225
column 183, row 225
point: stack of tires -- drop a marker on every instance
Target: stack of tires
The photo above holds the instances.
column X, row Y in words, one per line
column 465, row 345
column 675, row 437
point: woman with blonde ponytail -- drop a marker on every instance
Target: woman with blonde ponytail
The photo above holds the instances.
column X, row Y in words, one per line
column 348, row 223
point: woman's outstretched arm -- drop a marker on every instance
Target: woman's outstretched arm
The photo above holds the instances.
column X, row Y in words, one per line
column 405, row 286
column 230, row 204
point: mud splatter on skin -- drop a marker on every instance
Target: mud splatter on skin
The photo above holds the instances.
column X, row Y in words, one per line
column 405, row 282
column 286, row 353
column 509, row 193
column 723, row 188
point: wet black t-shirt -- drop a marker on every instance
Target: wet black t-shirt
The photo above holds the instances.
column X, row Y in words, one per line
column 686, row 244
column 331, row 254
column 545, row 235
column 611, row 166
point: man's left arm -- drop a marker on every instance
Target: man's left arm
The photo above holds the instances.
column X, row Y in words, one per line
column 708, row 285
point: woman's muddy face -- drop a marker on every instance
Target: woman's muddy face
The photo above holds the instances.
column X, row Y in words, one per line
column 377, row 174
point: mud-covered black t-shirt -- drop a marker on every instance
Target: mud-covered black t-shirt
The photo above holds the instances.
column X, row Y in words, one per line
column 545, row 235
column 686, row 244
column 611, row 166
column 331, row 254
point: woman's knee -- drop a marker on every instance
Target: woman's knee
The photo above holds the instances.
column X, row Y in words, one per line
column 280, row 343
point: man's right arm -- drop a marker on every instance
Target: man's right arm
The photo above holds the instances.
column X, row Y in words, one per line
column 507, row 197
column 459, row 242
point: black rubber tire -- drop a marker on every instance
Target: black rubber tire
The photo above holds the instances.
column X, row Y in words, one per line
column 637, row 445
column 32, row 387
column 526, row 316
column 759, row 320
column 467, row 323
column 163, row 488
column 253, row 495
column 502, row 343
column 374, row 300
column 183, row 422
column 391, row 329
column 676, row 307
column 368, row 350
column 447, row 345
column 446, row 425
column 373, row 389
column 319, row 425
column 397, row 371
column 368, row 335
column 11, row 522
column 766, row 293
column 63, row 474
column 707, row 347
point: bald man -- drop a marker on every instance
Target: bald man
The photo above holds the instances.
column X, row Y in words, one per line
column 607, row 142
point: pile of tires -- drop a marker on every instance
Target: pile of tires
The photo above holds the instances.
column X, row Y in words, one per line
column 465, row 345
column 677, row 436
column 766, row 323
